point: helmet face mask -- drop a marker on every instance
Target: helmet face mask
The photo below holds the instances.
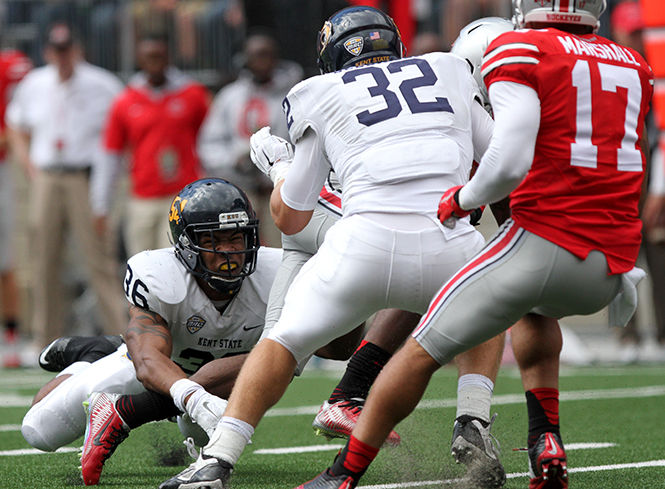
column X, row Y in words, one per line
column 356, row 36
column 573, row 12
column 215, row 233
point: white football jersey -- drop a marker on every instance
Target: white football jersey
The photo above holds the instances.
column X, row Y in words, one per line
column 157, row 281
column 397, row 134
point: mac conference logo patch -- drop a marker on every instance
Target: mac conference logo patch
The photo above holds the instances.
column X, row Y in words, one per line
column 354, row 45
column 195, row 323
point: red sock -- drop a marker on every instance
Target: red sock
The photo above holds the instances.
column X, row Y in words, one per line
column 543, row 409
column 549, row 400
column 355, row 458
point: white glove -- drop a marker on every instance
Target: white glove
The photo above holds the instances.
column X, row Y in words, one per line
column 202, row 407
column 206, row 410
column 271, row 154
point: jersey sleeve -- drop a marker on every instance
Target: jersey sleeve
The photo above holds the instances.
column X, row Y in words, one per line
column 154, row 282
column 512, row 56
column 16, row 114
column 296, row 105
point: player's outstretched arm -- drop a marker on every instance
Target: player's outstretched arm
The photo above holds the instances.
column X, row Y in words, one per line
column 149, row 343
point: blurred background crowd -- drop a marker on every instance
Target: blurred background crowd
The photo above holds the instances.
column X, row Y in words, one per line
column 170, row 91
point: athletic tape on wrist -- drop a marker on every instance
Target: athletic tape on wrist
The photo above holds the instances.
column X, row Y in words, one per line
column 181, row 389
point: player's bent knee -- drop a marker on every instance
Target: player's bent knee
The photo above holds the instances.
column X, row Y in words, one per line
column 46, row 430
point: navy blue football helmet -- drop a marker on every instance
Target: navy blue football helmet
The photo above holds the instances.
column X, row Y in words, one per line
column 356, row 36
column 200, row 209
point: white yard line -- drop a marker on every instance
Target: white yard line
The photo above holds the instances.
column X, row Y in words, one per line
column 651, row 391
column 597, row 468
column 333, row 447
column 34, row 451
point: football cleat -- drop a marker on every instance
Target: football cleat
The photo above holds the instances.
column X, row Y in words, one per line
column 547, row 463
column 474, row 446
column 205, row 473
column 325, row 480
column 64, row 351
column 337, row 420
column 104, row 431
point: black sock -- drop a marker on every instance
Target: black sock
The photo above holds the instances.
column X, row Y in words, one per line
column 543, row 409
column 138, row 409
column 362, row 370
column 465, row 418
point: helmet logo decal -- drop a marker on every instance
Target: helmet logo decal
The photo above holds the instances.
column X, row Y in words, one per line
column 231, row 219
column 195, row 323
column 354, row 45
column 324, row 35
column 177, row 206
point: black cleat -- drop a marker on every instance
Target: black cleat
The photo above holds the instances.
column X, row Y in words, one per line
column 205, row 473
column 325, row 480
column 64, row 351
column 474, row 446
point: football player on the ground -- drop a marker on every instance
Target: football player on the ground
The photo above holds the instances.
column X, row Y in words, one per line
column 571, row 244
column 196, row 309
column 387, row 250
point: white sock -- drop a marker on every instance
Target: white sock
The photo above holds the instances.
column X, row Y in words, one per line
column 474, row 396
column 229, row 439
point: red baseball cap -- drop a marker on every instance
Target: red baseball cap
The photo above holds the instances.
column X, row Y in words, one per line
column 627, row 17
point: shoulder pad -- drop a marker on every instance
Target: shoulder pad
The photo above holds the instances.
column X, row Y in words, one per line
column 160, row 272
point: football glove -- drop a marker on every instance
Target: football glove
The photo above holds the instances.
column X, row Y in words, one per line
column 476, row 214
column 271, row 154
column 206, row 410
column 449, row 208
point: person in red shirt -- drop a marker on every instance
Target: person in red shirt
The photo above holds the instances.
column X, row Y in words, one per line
column 13, row 67
column 157, row 119
column 567, row 147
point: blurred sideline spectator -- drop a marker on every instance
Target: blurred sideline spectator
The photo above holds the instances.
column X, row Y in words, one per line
column 240, row 109
column 54, row 132
column 220, row 31
column 293, row 24
column 13, row 67
column 157, row 120
column 427, row 42
column 458, row 13
column 626, row 28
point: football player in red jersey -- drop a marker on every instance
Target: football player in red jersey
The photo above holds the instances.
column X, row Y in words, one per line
column 13, row 67
column 569, row 111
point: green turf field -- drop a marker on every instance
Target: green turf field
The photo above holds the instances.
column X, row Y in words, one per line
column 612, row 425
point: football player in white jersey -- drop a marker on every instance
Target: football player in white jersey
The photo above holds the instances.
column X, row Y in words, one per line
column 578, row 265
column 396, row 132
column 196, row 310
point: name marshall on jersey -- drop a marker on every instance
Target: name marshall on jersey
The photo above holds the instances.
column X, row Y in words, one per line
column 612, row 52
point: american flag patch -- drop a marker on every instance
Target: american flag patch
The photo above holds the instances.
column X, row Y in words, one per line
column 374, row 35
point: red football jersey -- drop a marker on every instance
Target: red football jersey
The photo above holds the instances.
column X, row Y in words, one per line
column 583, row 188
column 13, row 67
column 160, row 131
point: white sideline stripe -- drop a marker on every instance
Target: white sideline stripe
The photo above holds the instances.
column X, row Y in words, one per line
column 651, row 391
column 307, row 449
column 588, row 446
column 14, row 400
column 10, row 427
column 597, row 468
column 332, row 447
column 34, row 451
